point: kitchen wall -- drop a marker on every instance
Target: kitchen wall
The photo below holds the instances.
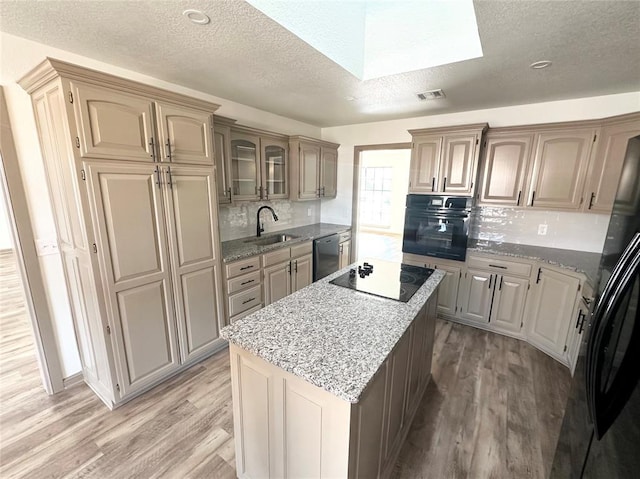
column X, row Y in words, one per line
column 338, row 210
column 239, row 220
column 18, row 56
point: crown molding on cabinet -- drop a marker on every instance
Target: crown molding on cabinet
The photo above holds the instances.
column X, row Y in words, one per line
column 449, row 129
column 51, row 68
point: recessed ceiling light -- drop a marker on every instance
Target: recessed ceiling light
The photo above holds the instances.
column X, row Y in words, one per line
column 196, row 16
column 540, row 65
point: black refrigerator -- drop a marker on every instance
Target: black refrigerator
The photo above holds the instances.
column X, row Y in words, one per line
column 600, row 435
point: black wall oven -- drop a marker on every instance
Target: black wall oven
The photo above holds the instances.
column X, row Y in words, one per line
column 437, row 226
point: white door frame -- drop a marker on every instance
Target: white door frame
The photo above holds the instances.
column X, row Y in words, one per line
column 12, row 191
column 357, row 150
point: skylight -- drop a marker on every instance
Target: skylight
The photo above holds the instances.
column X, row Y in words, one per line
column 377, row 38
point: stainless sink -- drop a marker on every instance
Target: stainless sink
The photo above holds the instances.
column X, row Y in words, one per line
column 271, row 239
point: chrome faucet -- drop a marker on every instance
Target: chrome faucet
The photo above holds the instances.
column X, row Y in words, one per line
column 259, row 227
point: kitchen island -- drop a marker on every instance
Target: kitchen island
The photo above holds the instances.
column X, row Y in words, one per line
column 327, row 380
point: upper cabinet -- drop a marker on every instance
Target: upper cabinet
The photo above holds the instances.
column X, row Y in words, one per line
column 116, row 125
column 252, row 164
column 605, row 169
column 537, row 166
column 559, row 168
column 314, row 168
column 505, row 168
column 445, row 160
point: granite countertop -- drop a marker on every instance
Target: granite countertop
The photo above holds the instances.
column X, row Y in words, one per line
column 333, row 337
column 580, row 261
column 240, row 248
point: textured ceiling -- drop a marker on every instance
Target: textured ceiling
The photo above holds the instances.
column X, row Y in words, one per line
column 244, row 56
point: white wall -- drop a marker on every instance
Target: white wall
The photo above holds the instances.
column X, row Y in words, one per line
column 6, row 238
column 338, row 210
column 17, row 57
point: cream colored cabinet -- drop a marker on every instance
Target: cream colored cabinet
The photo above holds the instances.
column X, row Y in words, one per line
column 197, row 279
column 222, row 156
column 314, row 168
column 329, row 172
column 118, row 126
column 606, row 165
column 286, row 427
column 302, row 274
column 506, row 161
column 184, row 134
column 245, row 166
column 292, row 270
column 549, row 319
column 448, row 290
column 476, row 295
column 445, row 160
column 345, row 254
column 112, row 124
column 136, row 221
column 137, row 271
column 244, row 287
column 559, row 168
column 507, row 308
column 277, row 282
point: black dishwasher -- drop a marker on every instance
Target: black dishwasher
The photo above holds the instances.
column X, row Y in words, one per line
column 326, row 256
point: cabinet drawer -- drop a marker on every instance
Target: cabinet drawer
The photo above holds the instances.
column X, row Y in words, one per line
column 499, row 265
column 275, row 257
column 243, row 266
column 243, row 282
column 235, row 318
column 248, row 299
column 301, row 249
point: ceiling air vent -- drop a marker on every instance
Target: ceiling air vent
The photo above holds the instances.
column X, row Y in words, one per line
column 431, row 95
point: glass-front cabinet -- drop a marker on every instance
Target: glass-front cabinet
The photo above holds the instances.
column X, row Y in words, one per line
column 275, row 168
column 245, row 166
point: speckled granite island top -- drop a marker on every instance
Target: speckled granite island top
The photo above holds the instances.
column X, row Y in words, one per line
column 581, row 261
column 333, row 337
column 239, row 248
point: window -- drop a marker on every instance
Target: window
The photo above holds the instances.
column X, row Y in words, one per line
column 375, row 196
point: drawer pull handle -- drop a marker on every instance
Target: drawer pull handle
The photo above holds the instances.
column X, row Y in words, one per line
column 246, row 267
column 497, row 266
column 247, row 282
column 248, row 300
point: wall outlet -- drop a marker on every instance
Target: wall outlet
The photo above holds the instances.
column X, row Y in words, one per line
column 308, row 211
column 46, row 246
column 542, row 229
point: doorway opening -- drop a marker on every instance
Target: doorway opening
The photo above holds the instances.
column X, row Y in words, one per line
column 381, row 186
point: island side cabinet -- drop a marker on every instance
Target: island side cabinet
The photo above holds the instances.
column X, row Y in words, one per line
column 286, row 427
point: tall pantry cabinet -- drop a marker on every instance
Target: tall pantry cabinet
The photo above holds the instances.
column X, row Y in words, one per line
column 131, row 176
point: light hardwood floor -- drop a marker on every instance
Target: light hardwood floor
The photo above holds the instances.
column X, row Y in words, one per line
column 493, row 410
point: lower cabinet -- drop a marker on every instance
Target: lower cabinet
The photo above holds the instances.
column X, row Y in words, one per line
column 551, row 311
column 244, row 287
column 477, row 294
column 287, row 427
column 508, row 303
column 345, row 254
column 448, row 290
column 288, row 276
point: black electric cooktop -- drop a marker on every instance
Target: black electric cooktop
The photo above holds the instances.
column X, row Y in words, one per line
column 386, row 279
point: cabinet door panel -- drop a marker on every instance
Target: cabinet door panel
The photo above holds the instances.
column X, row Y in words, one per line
column 222, row 150
column 399, row 364
column 309, row 169
column 548, row 322
column 345, row 254
column 184, row 134
column 275, row 157
column 505, row 169
column 113, row 125
column 193, row 241
column 559, row 169
column 458, row 164
column 508, row 303
column 136, row 270
column 448, row 290
column 329, row 173
column 425, row 159
column 302, row 272
column 477, row 295
column 606, row 166
column 277, row 282
column 245, row 166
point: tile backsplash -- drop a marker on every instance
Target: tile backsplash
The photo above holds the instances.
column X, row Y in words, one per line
column 239, row 220
column 564, row 230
